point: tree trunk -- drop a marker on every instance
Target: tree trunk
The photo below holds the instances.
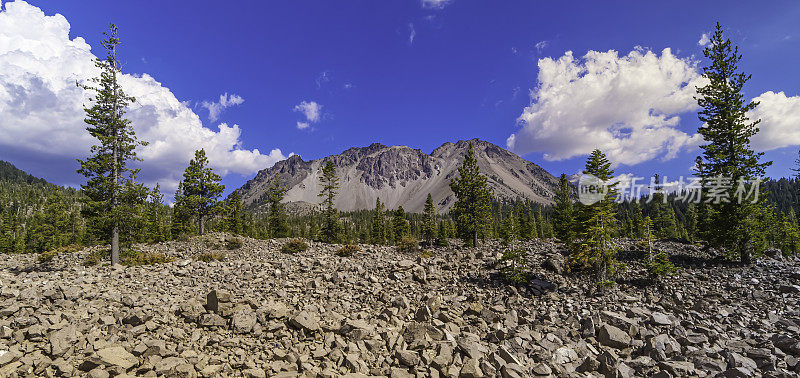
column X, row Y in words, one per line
column 202, row 225
column 115, row 229
column 115, row 245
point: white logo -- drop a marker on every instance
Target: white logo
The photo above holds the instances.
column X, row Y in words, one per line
column 591, row 189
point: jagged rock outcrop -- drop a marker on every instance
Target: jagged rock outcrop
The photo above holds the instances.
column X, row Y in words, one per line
column 402, row 176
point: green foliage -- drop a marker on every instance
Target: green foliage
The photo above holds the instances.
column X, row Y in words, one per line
column 378, row 226
column 789, row 238
column 129, row 257
column 472, row 209
column 515, row 266
column 233, row 243
column 507, row 233
column 442, row 234
column 200, row 189
column 662, row 214
column 276, row 220
column 329, row 233
column 408, row 244
column 597, row 225
column 727, row 153
column 48, row 256
column 563, row 220
column 348, row 250
column 234, row 214
column 210, row 256
column 400, row 226
column 661, row 266
column 294, row 246
column 429, row 227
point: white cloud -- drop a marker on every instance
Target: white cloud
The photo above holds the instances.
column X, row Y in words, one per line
column 323, row 78
column 780, row 121
column 627, row 106
column 514, row 50
column 541, row 45
column 41, row 108
column 435, row 4
column 311, row 110
column 225, row 101
column 704, row 40
column 411, row 34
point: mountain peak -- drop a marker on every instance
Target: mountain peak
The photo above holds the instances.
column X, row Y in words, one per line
column 404, row 176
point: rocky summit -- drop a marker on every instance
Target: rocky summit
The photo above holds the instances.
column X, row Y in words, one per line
column 402, row 176
column 379, row 312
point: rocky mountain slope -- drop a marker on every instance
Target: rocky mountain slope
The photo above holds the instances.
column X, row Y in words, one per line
column 402, row 176
column 380, row 312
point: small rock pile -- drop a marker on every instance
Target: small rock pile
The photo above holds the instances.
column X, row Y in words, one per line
column 379, row 312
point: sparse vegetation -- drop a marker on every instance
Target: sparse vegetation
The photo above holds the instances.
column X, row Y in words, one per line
column 48, row 256
column 210, row 256
column 348, row 250
column 661, row 266
column 408, row 244
column 233, row 243
column 129, row 257
column 294, row 246
column 515, row 266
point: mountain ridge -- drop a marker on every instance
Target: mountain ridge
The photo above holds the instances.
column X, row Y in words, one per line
column 402, row 176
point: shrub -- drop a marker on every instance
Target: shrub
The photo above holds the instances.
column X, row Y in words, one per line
column 515, row 265
column 294, row 246
column 233, row 243
column 210, row 256
column 94, row 257
column 425, row 254
column 661, row 266
column 128, row 257
column 48, row 256
column 348, row 250
column 183, row 237
column 145, row 258
column 408, row 244
column 441, row 242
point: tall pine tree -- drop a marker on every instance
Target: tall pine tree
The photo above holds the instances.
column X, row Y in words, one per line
column 329, row 231
column 472, row 210
column 276, row 220
column 727, row 154
column 201, row 189
column 429, row 226
column 378, row 227
column 106, row 167
column 598, row 223
column 563, row 224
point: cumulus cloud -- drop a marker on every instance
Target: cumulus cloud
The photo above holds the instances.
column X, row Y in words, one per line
column 704, row 40
column 435, row 4
column 780, row 121
column 41, row 108
column 628, row 106
column 311, row 110
column 225, row 101
column 541, row 45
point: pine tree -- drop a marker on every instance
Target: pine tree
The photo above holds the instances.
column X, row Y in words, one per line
column 378, row 228
column 507, row 233
column 277, row 224
column 49, row 228
column 691, row 221
column 563, row 224
column 234, row 214
column 399, row 225
column 330, row 216
column 637, row 220
column 155, row 216
column 727, row 153
column 132, row 211
column 201, row 189
column 472, row 210
column 598, row 223
column 181, row 217
column 107, row 165
column 662, row 214
column 429, row 227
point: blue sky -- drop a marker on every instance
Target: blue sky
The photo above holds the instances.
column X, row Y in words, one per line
column 422, row 73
